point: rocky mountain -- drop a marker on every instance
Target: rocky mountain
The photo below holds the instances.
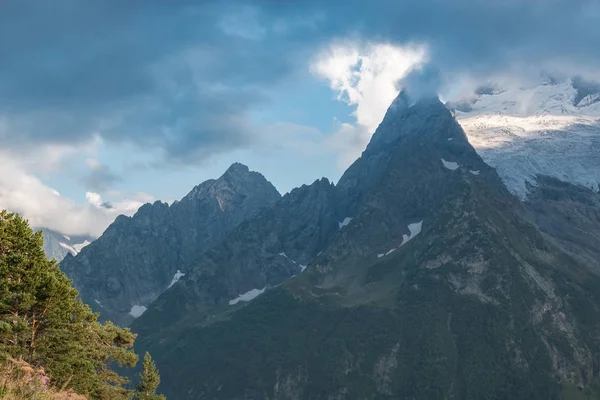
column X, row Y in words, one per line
column 57, row 245
column 261, row 253
column 569, row 216
column 138, row 257
column 429, row 280
column 550, row 129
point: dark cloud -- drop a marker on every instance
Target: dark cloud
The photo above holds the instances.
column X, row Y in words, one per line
column 183, row 76
column 107, row 204
column 100, row 178
column 160, row 75
column 421, row 81
column 475, row 35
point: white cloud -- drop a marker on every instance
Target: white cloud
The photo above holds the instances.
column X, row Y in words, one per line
column 127, row 206
column 24, row 193
column 93, row 163
column 349, row 140
column 363, row 76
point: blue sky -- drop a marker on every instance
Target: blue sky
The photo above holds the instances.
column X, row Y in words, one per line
column 108, row 104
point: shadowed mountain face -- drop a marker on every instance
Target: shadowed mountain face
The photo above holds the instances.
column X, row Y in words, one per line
column 569, row 216
column 137, row 258
column 260, row 253
column 436, row 283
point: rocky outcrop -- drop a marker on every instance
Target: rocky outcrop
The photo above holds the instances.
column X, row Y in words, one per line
column 138, row 257
column 568, row 215
column 259, row 254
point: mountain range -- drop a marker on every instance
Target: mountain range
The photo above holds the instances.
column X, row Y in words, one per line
column 434, row 269
column 139, row 257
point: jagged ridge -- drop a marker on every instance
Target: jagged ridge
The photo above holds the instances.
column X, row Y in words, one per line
column 437, row 288
column 138, row 257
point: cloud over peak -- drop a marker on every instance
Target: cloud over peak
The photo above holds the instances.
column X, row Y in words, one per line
column 185, row 76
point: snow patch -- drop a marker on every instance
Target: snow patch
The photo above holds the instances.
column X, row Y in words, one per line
column 67, row 237
column 451, row 165
column 80, row 246
column 474, row 172
column 137, row 311
column 414, row 229
column 252, row 294
column 76, row 248
column 70, row 248
column 178, row 275
column 450, row 139
column 302, row 267
column 98, row 302
column 285, row 255
column 345, row 222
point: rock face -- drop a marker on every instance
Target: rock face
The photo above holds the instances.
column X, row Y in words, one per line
column 431, row 281
column 260, row 253
column 138, row 257
column 568, row 215
column 57, row 245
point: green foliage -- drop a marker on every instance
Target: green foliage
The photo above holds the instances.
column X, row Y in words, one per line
column 20, row 381
column 149, row 381
column 43, row 322
column 420, row 348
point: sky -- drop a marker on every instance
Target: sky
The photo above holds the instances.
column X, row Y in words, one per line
column 106, row 105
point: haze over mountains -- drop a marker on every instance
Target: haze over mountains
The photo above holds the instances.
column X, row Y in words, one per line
column 57, row 245
column 423, row 273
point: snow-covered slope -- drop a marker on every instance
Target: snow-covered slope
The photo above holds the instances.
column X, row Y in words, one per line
column 536, row 130
column 57, row 245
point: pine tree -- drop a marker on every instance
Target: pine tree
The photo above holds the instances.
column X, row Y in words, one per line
column 44, row 323
column 149, row 381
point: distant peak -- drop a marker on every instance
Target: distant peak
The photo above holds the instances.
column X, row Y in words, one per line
column 240, row 174
column 405, row 105
column 237, row 168
column 237, row 178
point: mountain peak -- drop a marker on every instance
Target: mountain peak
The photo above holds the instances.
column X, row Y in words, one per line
column 238, row 180
column 236, row 169
column 138, row 257
column 407, row 117
column 238, row 177
column 404, row 101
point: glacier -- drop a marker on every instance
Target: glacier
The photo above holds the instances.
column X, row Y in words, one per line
column 537, row 130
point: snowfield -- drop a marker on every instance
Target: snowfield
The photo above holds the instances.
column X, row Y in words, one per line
column 537, row 130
